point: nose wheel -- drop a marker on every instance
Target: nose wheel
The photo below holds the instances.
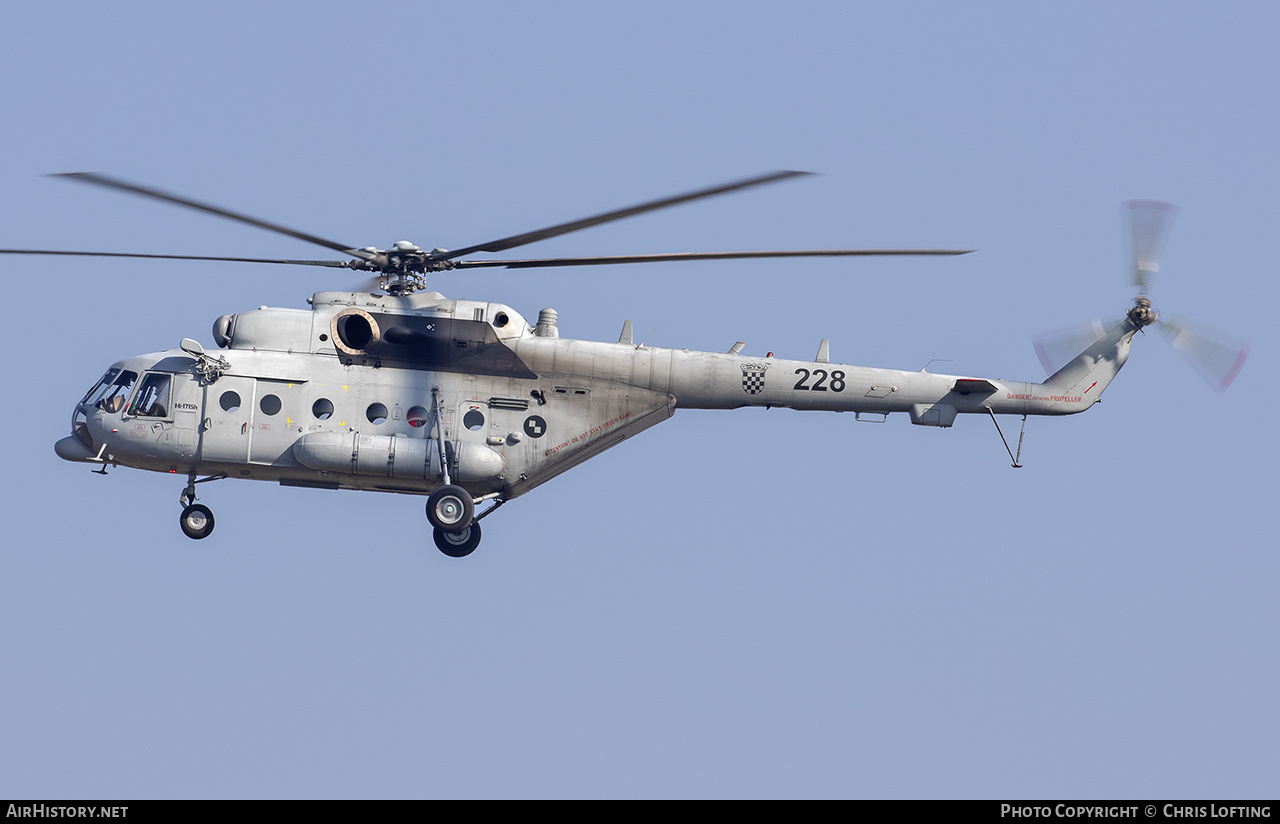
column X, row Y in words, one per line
column 196, row 521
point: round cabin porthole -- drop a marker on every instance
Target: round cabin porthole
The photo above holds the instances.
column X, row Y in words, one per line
column 322, row 409
column 270, row 404
column 473, row 420
column 229, row 401
column 418, row 416
column 376, row 413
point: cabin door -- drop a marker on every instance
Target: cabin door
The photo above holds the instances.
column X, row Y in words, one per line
column 227, row 427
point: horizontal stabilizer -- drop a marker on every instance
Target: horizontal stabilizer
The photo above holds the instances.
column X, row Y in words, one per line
column 966, row 386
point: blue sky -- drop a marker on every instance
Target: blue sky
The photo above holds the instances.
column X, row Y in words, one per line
column 736, row 604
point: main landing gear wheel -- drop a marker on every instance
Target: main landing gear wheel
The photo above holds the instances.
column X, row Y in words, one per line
column 457, row 543
column 450, row 508
column 196, row 521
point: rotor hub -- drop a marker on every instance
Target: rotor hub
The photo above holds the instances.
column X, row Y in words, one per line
column 402, row 269
column 1142, row 314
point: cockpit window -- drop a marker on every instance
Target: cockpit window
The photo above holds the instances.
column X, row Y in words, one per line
column 111, row 391
column 95, row 394
column 152, row 399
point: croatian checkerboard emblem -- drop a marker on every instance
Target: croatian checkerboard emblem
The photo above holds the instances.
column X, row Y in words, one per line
column 535, row 426
column 753, row 377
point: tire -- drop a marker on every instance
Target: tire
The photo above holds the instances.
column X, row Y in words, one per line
column 458, row 544
column 196, row 521
column 450, row 508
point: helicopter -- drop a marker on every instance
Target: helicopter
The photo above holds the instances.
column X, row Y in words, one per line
column 396, row 388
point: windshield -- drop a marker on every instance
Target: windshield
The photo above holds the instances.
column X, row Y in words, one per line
column 152, row 399
column 110, row 392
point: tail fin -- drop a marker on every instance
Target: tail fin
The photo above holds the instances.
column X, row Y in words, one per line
column 1088, row 373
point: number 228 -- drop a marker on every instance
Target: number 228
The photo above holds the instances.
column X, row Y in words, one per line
column 820, row 382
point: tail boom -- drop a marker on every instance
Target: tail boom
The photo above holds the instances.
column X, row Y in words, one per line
column 705, row 380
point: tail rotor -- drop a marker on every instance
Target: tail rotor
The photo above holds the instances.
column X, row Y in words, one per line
column 1214, row 357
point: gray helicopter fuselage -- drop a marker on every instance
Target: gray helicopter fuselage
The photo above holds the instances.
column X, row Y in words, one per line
column 466, row 401
column 366, row 391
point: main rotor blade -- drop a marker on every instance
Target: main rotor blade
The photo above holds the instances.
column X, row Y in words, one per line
column 132, row 188
column 618, row 214
column 1148, row 222
column 338, row 264
column 1216, row 360
column 659, row 258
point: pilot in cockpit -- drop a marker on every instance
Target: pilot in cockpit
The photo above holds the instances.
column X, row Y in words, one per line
column 152, row 399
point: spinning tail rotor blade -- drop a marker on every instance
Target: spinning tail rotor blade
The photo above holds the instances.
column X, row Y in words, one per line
column 1056, row 349
column 1216, row 360
column 1148, row 223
